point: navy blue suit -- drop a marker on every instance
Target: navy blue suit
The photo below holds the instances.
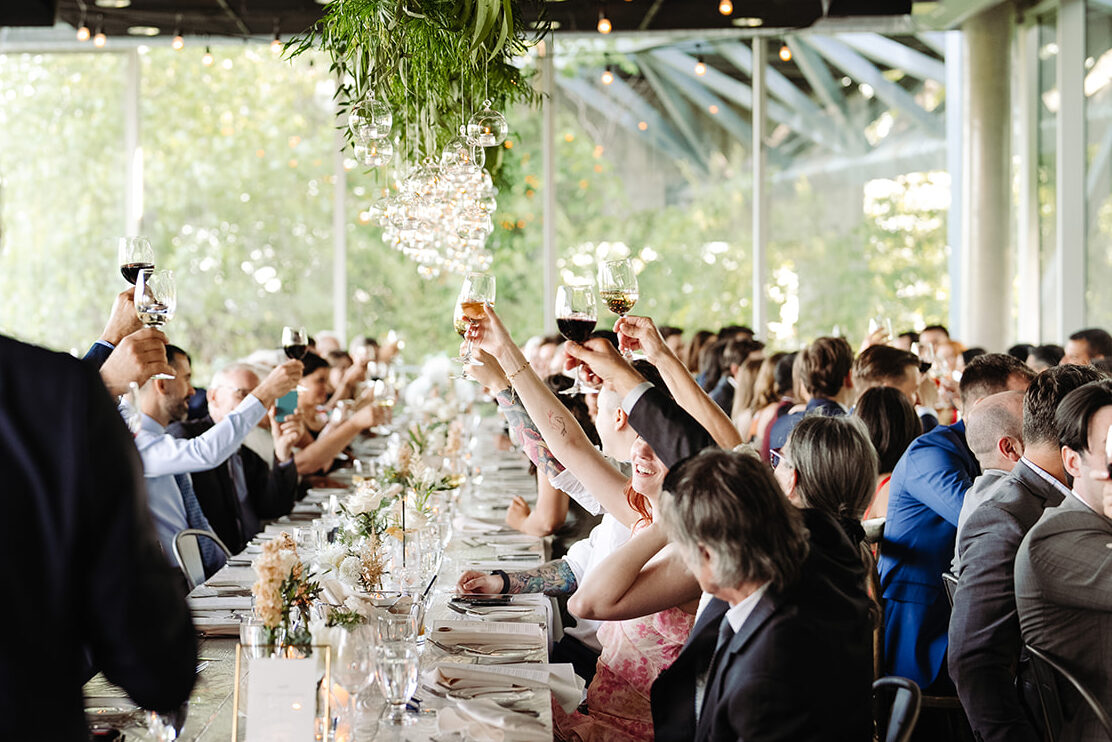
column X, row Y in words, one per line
column 784, row 425
column 83, row 542
column 97, row 354
column 925, row 496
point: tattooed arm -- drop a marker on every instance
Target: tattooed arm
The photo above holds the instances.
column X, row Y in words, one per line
column 522, row 429
column 552, row 578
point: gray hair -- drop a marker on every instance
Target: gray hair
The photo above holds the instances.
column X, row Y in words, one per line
column 836, row 465
column 730, row 504
column 220, row 378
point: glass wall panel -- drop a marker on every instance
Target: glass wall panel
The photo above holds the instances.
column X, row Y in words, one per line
column 1046, row 172
column 62, row 169
column 1098, row 181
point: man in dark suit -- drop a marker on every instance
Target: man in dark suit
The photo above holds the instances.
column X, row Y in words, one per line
column 243, row 490
column 783, row 651
column 1063, row 570
column 825, row 372
column 925, row 498
column 82, row 541
column 984, row 639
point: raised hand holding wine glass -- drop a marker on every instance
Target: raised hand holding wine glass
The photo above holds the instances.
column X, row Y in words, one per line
column 576, row 316
column 156, row 300
column 295, row 342
column 135, row 254
column 477, row 291
column 617, row 285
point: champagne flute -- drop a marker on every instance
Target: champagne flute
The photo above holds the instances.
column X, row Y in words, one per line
column 295, row 342
column 477, row 291
column 617, row 285
column 135, row 254
column 576, row 317
column 397, row 665
column 156, row 300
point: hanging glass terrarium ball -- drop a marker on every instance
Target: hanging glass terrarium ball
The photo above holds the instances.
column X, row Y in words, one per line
column 460, row 151
column 370, row 119
column 487, row 128
column 376, row 152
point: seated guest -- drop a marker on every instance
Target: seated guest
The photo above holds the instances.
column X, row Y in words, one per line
column 743, row 411
column 892, row 425
column 732, row 355
column 783, row 649
column 825, row 367
column 338, row 363
column 994, row 433
column 313, row 394
column 984, row 628
column 932, row 336
column 1043, row 357
column 883, row 365
column 694, row 351
column 1021, row 351
column 1086, row 346
column 363, row 349
column 673, row 336
column 770, row 392
column 167, row 460
column 925, row 496
column 905, row 340
column 239, row 493
column 327, row 343
column 82, row 541
column 1063, row 569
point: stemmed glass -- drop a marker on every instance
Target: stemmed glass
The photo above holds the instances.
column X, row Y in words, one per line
column 396, row 667
column 617, row 285
column 576, row 316
column 354, row 664
column 880, row 323
column 156, row 300
column 477, row 291
column 295, row 342
column 135, row 254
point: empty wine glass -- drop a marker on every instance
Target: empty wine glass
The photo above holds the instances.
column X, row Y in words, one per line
column 877, row 324
column 617, row 285
column 156, row 300
column 477, row 291
column 135, row 254
column 396, row 667
column 576, row 316
column 353, row 665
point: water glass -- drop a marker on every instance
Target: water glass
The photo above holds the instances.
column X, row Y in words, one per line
column 397, row 623
column 396, row 668
column 254, row 637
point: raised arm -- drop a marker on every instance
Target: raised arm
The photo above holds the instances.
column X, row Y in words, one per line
column 643, row 577
column 559, row 429
column 641, row 333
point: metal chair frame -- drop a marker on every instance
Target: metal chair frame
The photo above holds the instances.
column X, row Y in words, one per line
column 903, row 713
column 1047, row 671
column 188, row 553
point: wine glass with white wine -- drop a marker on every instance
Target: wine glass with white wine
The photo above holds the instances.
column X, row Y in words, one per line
column 156, row 300
column 477, row 291
column 617, row 285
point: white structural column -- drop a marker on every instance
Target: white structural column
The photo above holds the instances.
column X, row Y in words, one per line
column 986, row 185
column 548, row 136
column 133, row 150
column 339, row 237
column 1027, row 238
column 1071, row 168
column 760, row 189
column 955, row 122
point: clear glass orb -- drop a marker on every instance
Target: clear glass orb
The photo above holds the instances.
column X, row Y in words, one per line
column 370, row 119
column 487, row 128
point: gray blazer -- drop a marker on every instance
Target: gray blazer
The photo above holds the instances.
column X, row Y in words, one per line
column 1063, row 584
column 984, row 633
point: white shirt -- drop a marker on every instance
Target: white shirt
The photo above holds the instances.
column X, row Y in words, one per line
column 1045, row 475
column 586, row 554
column 570, row 485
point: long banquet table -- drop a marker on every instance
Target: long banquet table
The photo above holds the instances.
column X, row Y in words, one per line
column 501, row 474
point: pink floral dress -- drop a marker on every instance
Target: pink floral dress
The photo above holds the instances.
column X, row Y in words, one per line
column 634, row 652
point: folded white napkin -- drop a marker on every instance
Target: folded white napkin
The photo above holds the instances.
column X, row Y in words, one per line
column 464, row 680
column 486, row 721
column 465, row 525
column 220, row 603
column 489, row 634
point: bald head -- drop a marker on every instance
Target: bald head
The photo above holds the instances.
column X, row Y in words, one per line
column 994, row 430
column 229, row 386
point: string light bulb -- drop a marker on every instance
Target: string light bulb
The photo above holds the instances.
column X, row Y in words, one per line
column 725, row 7
column 700, row 67
column 607, row 76
column 207, row 59
column 604, row 25
column 178, row 43
column 99, row 40
column 276, row 45
column 785, row 53
column 83, row 32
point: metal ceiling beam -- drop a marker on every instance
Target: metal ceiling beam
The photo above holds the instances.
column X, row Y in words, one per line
column 865, row 71
column 742, row 94
column 741, row 56
column 896, row 55
column 703, row 99
column 586, row 93
column 624, row 93
column 828, row 90
column 674, row 105
column 933, row 40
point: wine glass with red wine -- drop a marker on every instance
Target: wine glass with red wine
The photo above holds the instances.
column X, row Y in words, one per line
column 576, row 317
column 135, row 254
column 295, row 342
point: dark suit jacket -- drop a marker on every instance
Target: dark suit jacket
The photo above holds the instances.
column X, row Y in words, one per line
column 97, row 354
column 270, row 489
column 1063, row 590
column 924, row 501
column 783, row 426
column 83, row 544
column 800, row 667
column 672, row 433
column 984, row 627
column 723, row 393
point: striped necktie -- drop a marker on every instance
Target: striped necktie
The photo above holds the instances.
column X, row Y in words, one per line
column 211, row 555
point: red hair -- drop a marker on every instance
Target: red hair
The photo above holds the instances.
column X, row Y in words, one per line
column 639, row 503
